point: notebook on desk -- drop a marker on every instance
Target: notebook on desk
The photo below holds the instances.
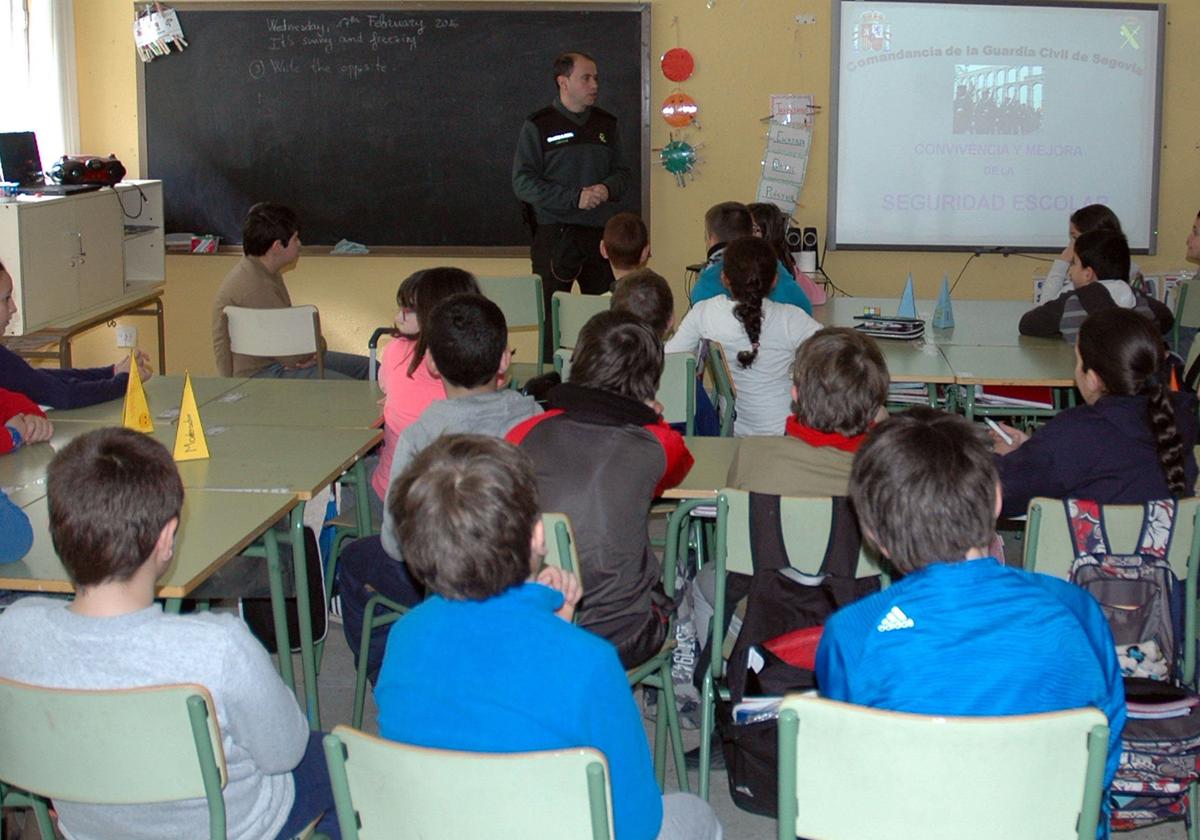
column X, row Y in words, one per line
column 20, row 161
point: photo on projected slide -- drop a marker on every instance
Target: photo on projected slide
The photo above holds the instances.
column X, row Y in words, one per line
column 976, row 125
column 997, row 98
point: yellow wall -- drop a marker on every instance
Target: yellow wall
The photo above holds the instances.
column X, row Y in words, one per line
column 745, row 50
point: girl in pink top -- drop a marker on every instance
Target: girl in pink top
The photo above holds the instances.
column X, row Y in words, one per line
column 771, row 224
column 407, row 385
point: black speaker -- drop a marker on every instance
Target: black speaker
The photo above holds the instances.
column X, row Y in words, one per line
column 794, row 238
column 808, row 250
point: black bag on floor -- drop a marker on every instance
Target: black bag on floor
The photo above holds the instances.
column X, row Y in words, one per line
column 256, row 611
column 778, row 604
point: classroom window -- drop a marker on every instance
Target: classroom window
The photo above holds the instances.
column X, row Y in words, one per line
column 37, row 62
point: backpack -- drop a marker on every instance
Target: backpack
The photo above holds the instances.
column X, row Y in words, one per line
column 1144, row 603
column 776, row 605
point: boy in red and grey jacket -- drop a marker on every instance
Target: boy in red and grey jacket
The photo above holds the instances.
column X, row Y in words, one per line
column 602, row 453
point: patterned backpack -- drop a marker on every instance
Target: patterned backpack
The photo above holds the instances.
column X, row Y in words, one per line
column 1143, row 601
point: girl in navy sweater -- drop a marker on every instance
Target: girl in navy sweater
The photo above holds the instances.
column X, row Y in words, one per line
column 1130, row 442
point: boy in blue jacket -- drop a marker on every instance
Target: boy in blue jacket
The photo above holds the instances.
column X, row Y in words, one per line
column 960, row 633
column 724, row 223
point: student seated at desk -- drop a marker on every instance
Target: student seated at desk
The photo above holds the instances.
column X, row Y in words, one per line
column 760, row 336
column 16, row 534
column 1098, row 267
column 1130, row 442
column 407, row 384
column 491, row 662
column 724, row 223
column 1084, row 220
column 839, row 388
column 60, row 387
column 467, row 339
column 602, row 453
column 270, row 243
column 625, row 244
column 647, row 295
column 23, row 422
column 960, row 633
column 771, row 224
column 114, row 498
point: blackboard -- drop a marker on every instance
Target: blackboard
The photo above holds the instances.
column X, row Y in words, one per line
column 390, row 126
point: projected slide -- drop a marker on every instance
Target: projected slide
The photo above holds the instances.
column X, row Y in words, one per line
column 975, row 125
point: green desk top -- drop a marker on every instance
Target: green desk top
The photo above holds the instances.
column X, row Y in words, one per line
column 163, row 395
column 214, row 527
column 297, row 402
column 915, row 361
column 980, row 323
column 279, row 459
column 1052, row 365
column 713, row 456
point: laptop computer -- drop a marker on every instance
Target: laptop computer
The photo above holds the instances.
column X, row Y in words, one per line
column 20, row 161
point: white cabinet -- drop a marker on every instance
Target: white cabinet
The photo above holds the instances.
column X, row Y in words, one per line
column 71, row 253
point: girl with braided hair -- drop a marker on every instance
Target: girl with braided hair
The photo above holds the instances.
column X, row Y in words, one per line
column 759, row 336
column 1130, row 442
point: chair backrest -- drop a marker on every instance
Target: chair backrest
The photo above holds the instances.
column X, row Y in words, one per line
column 718, row 369
column 560, row 542
column 568, row 314
column 677, row 389
column 385, row 789
column 128, row 746
column 520, row 299
column 1187, row 307
column 291, row 331
column 1049, row 549
column 1037, row 777
column 806, row 523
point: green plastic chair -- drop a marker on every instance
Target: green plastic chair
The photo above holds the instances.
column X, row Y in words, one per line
column 655, row 672
column 1187, row 309
column 1049, row 550
column 722, row 377
column 385, row 789
column 676, row 387
column 379, row 612
column 1036, row 777
column 128, row 746
column 677, row 390
column 806, row 523
column 568, row 314
column 520, row 298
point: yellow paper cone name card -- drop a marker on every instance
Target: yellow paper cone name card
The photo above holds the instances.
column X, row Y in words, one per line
column 190, row 443
column 136, row 414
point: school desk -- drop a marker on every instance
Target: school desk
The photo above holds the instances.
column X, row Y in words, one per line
column 294, row 402
column 981, row 323
column 246, row 460
column 983, row 347
column 1052, row 365
column 163, row 395
column 712, row 455
column 214, row 527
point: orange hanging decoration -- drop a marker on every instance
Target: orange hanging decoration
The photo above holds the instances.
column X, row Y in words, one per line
column 679, row 110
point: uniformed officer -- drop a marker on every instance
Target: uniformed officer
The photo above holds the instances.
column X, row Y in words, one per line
column 569, row 174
